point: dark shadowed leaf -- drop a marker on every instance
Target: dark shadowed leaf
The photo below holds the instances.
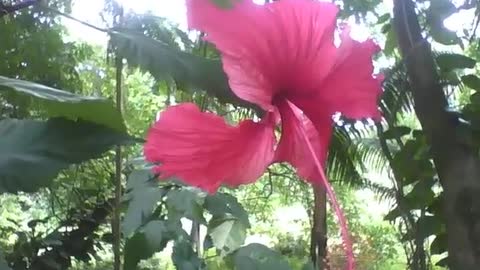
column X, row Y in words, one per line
column 59, row 103
column 471, row 81
column 152, row 238
column 439, row 244
column 183, row 256
column 396, row 132
column 258, row 257
column 143, row 195
column 451, row 61
column 34, row 152
column 228, row 234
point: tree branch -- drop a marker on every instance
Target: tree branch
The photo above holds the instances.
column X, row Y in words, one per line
column 5, row 10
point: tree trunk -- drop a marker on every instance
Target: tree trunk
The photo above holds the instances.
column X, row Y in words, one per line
column 457, row 165
column 318, row 245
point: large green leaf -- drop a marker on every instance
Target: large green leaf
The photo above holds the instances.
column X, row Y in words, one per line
column 258, row 257
column 451, row 61
column 143, row 194
column 163, row 60
column 186, row 202
column 227, row 234
column 222, row 204
column 34, row 152
column 59, row 103
column 152, row 238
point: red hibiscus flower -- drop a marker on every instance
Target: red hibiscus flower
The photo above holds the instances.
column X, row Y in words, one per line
column 282, row 57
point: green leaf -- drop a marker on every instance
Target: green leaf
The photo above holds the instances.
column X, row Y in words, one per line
column 439, row 10
column 186, row 202
column 228, row 234
column 224, row 3
column 258, row 257
column 471, row 81
column 3, row 263
column 429, row 225
column 162, row 60
column 34, row 152
column 143, row 195
column 59, row 103
column 152, row 238
column 421, row 194
column 183, row 256
column 439, row 244
column 396, row 132
column 450, row 61
column 222, row 204
column 308, row 266
column 390, row 43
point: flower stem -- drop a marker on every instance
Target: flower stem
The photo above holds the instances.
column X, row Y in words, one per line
column 336, row 207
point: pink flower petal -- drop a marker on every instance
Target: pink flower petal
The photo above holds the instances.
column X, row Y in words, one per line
column 202, row 150
column 292, row 147
column 351, row 88
column 286, row 46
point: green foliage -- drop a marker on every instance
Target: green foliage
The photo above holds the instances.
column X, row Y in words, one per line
column 58, row 103
column 3, row 263
column 256, row 256
column 149, row 239
column 471, row 81
column 439, row 10
column 227, row 234
column 225, row 3
column 33, row 152
column 185, row 68
column 143, row 194
column 451, row 61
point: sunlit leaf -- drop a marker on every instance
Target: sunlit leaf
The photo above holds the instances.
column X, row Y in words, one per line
column 228, row 234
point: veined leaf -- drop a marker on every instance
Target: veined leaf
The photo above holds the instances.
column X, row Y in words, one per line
column 143, row 194
column 186, row 202
column 34, row 152
column 162, row 60
column 59, row 103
